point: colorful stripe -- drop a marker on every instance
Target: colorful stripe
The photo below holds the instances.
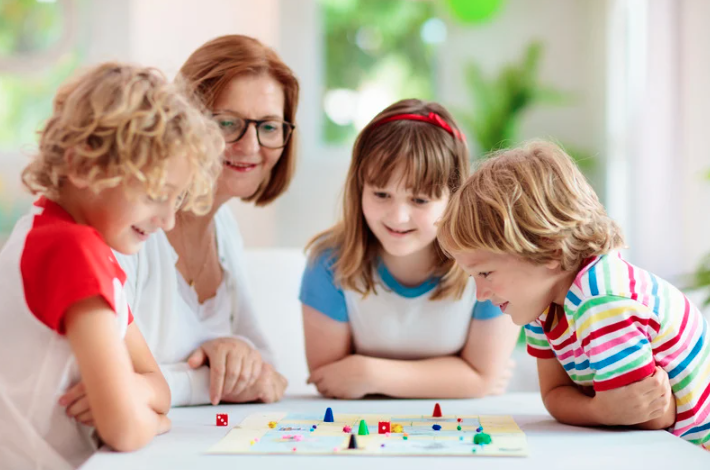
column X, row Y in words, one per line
column 619, row 323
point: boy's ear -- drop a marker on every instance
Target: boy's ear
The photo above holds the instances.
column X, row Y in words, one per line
column 75, row 178
column 552, row 265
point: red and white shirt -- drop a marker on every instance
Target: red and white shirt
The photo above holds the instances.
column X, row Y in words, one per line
column 48, row 264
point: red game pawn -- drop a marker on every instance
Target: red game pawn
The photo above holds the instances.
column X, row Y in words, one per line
column 222, row 419
column 437, row 411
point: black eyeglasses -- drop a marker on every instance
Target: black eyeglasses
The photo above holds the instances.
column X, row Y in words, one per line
column 271, row 133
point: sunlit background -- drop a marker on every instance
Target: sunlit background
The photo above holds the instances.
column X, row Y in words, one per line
column 624, row 85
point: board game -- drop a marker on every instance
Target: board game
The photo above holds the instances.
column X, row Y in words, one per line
column 374, row 434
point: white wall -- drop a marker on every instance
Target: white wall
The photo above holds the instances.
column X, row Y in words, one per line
column 694, row 145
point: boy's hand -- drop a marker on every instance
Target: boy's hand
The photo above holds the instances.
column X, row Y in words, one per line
column 668, row 418
column 640, row 402
column 77, row 404
column 348, row 378
column 234, row 366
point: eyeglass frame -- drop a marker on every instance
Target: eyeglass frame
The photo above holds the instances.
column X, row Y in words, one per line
column 257, row 122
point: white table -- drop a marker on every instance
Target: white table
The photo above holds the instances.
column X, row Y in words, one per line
column 552, row 445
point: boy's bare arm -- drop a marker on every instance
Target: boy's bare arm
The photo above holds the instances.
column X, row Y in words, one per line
column 120, row 405
column 145, row 365
column 639, row 403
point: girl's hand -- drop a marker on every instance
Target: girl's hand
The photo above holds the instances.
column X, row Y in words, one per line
column 164, row 424
column 234, row 366
column 348, row 378
column 77, row 404
column 502, row 380
column 636, row 403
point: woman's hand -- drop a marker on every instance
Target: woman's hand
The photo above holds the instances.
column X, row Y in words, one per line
column 269, row 388
column 234, row 366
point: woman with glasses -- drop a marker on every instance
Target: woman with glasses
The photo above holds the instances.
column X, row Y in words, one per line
column 187, row 287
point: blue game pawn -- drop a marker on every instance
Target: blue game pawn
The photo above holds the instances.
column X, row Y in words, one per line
column 328, row 416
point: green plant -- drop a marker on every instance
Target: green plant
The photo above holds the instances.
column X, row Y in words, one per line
column 702, row 278
column 500, row 103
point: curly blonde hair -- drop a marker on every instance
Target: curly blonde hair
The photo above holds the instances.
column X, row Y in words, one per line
column 531, row 201
column 118, row 121
column 433, row 162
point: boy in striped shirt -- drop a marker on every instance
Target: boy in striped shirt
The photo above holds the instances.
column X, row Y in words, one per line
column 615, row 345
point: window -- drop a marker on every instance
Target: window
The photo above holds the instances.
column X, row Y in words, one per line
column 376, row 52
column 36, row 55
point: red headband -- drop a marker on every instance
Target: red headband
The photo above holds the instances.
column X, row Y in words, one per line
column 432, row 118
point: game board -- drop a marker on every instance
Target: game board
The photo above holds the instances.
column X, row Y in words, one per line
column 306, row 433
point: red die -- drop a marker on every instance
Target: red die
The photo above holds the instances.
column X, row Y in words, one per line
column 222, row 419
column 383, row 427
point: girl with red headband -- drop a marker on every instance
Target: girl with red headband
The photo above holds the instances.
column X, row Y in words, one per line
column 384, row 310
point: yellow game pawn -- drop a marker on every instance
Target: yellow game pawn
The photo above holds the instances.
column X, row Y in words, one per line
column 272, row 424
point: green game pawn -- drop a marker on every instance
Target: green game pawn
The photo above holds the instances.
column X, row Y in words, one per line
column 482, row 438
column 362, row 430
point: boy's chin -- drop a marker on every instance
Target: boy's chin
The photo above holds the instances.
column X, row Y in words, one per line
column 128, row 249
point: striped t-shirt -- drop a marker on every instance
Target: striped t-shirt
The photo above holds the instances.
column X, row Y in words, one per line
column 620, row 322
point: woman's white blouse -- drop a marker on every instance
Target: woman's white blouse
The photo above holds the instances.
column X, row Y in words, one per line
column 174, row 324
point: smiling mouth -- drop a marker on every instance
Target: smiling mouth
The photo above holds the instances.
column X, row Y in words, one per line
column 240, row 166
column 502, row 306
column 399, row 232
column 140, row 232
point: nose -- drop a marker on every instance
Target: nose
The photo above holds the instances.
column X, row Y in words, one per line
column 482, row 292
column 165, row 219
column 249, row 143
column 400, row 213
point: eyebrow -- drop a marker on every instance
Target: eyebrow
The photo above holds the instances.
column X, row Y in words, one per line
column 267, row 117
column 473, row 265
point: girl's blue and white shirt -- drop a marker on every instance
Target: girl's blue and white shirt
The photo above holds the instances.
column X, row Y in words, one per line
column 396, row 322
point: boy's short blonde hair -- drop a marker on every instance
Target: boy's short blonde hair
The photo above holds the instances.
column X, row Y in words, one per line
column 120, row 121
column 531, row 201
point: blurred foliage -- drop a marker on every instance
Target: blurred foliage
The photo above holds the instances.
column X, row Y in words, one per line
column 702, row 279
column 376, row 41
column 28, row 27
column 474, row 11
column 499, row 104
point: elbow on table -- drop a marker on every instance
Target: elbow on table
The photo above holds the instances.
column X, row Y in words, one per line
column 129, row 433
